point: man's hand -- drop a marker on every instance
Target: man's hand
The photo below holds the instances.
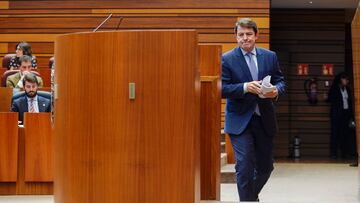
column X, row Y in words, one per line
column 272, row 94
column 254, row 87
column 23, row 74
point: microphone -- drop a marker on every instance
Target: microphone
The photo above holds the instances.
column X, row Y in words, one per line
column 118, row 25
column 103, row 22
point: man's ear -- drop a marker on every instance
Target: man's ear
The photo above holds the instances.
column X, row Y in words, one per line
column 257, row 35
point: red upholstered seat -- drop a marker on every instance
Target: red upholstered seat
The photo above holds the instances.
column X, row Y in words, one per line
column 6, row 60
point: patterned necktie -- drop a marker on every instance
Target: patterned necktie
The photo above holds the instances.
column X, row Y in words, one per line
column 254, row 75
column 32, row 108
column 252, row 66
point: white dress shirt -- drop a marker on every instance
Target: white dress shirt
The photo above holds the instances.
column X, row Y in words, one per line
column 35, row 103
column 345, row 97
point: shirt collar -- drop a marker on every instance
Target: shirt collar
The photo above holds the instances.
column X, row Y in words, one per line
column 253, row 51
column 35, row 98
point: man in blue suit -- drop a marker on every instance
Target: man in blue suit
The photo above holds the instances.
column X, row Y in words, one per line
column 30, row 102
column 250, row 118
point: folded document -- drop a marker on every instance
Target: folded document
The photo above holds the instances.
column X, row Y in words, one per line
column 266, row 86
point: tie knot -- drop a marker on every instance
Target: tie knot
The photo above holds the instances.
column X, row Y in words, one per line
column 249, row 54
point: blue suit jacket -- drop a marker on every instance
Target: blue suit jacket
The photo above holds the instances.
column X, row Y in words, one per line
column 21, row 105
column 239, row 106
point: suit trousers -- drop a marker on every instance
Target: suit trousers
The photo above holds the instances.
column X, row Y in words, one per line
column 254, row 160
column 341, row 135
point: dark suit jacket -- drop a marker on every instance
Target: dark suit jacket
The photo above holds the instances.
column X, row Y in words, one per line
column 239, row 106
column 21, row 105
column 336, row 100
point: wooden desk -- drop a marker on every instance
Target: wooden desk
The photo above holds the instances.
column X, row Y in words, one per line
column 8, row 146
column 38, row 148
column 22, row 157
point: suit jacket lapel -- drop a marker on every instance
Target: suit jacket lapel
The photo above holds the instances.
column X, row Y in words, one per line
column 260, row 63
column 40, row 104
column 24, row 105
column 243, row 65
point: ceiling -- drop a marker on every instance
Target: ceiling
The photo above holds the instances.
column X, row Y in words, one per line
column 315, row 4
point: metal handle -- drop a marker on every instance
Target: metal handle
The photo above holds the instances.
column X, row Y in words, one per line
column 132, row 91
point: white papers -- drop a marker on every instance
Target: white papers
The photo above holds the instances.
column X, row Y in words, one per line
column 266, row 86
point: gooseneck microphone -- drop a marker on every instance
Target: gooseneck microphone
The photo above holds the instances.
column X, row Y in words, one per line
column 102, row 23
column 118, row 25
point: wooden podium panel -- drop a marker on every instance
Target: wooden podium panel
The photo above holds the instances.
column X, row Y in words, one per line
column 355, row 30
column 38, row 148
column 210, row 60
column 229, row 150
column 8, row 146
column 45, row 74
column 5, row 99
column 110, row 148
column 210, row 120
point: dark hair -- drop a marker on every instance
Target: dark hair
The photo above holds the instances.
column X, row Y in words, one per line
column 246, row 22
column 26, row 47
column 30, row 77
column 337, row 79
column 343, row 75
column 24, row 58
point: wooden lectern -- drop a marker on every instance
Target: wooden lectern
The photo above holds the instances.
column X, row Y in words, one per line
column 127, row 117
column 210, row 120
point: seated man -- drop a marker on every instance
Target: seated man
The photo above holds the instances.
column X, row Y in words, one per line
column 15, row 81
column 30, row 102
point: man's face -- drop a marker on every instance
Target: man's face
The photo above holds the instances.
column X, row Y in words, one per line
column 25, row 66
column 30, row 89
column 246, row 38
column 19, row 51
column 344, row 81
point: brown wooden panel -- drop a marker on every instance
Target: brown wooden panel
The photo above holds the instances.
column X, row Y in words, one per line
column 37, row 48
column 210, row 60
column 128, row 22
column 229, row 150
column 35, row 30
column 8, row 147
column 43, row 11
column 38, row 148
column 45, row 74
column 355, row 26
column 238, row 12
column 43, row 61
column 133, row 150
column 5, row 99
column 210, row 120
column 210, row 140
column 245, row 4
column 27, row 37
column 3, row 47
column 27, row 188
column 4, row 4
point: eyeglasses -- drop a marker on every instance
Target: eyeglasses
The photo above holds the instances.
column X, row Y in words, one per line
column 18, row 49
